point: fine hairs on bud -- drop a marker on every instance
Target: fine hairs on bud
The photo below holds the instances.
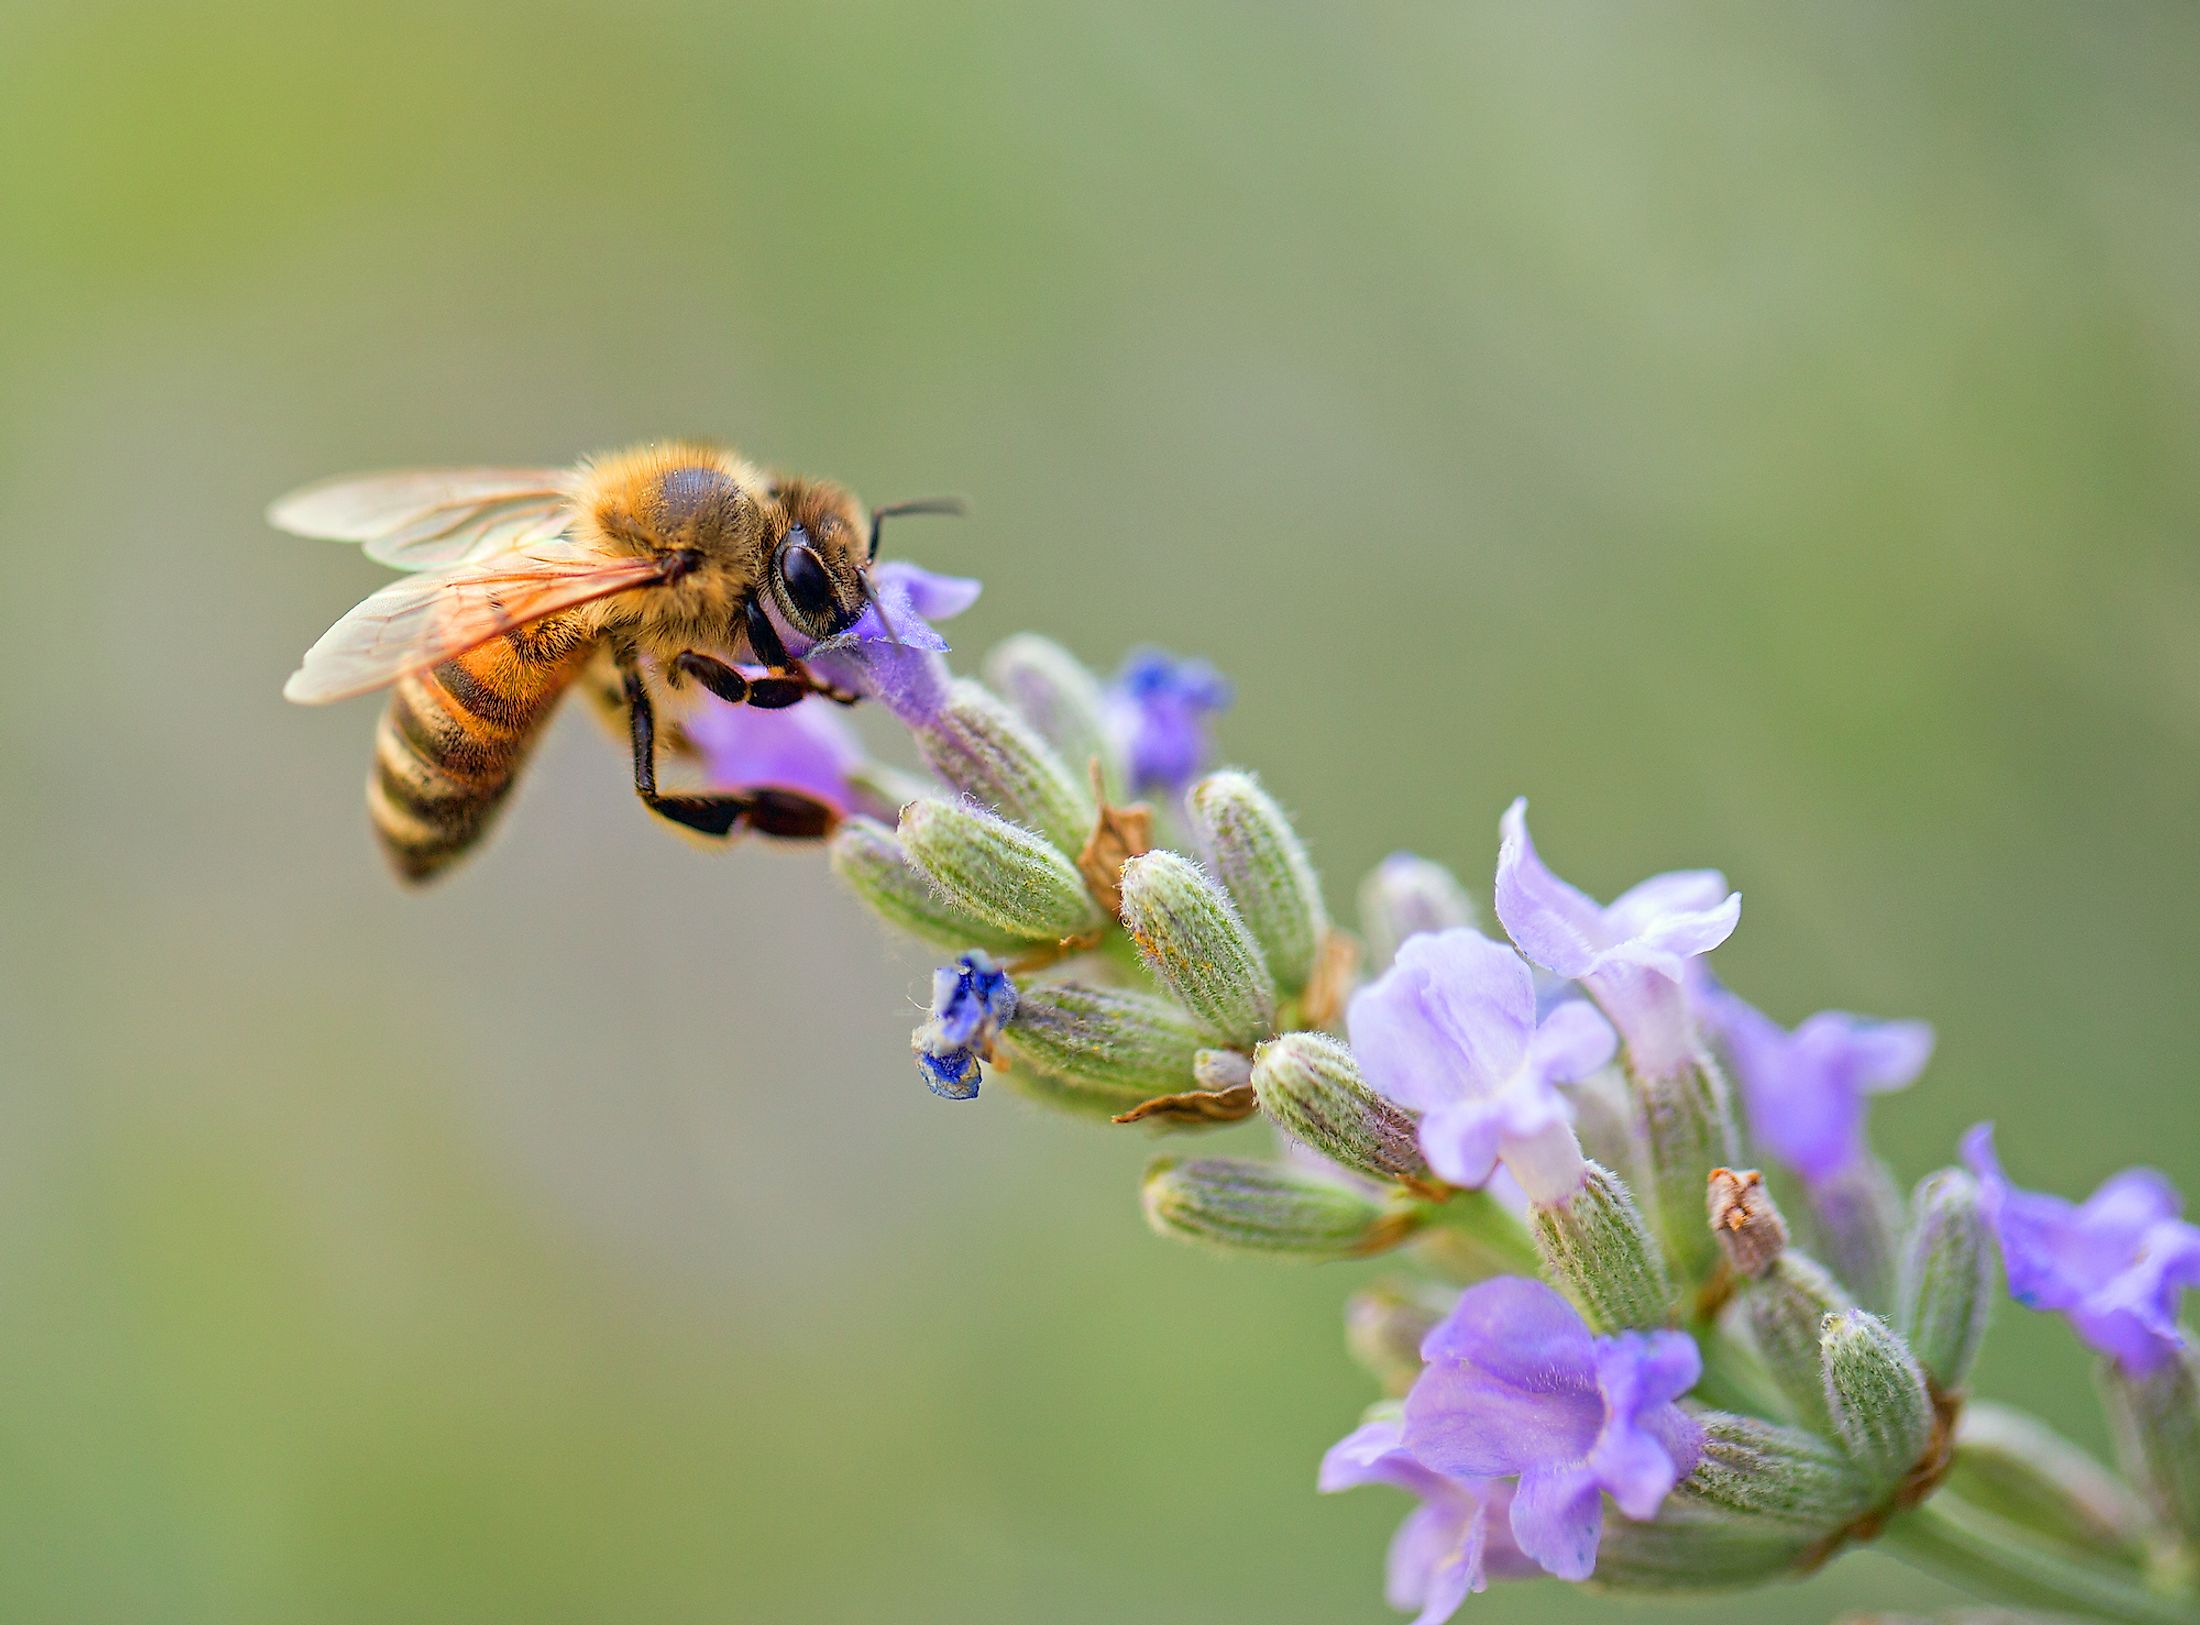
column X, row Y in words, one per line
column 1404, row 896
column 1269, row 1207
column 982, row 748
column 1193, row 940
column 1945, row 1286
column 1787, row 1307
column 1006, row 876
column 1051, row 690
column 868, row 857
column 2155, row 1418
column 1597, row 1250
column 1260, row 861
column 1311, row 1088
column 1876, row 1395
column 1104, row 1049
column 1689, row 1124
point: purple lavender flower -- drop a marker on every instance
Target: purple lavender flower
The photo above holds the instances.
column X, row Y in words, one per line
column 908, row 677
column 809, row 749
column 1450, row 1031
column 1516, row 1386
column 2113, row 1264
column 1630, row 954
column 1157, row 710
column 971, row 1000
column 1804, row 1090
column 1447, row 1547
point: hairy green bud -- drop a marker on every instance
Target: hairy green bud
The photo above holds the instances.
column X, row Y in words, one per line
column 1781, row 1475
column 1597, row 1250
column 1855, row 1222
column 869, row 859
column 1404, row 896
column 1786, row 1307
column 1269, row 1207
column 982, row 748
column 1689, row 1127
column 1311, row 1088
column 1260, row 861
column 998, row 872
column 2155, row 1418
column 1195, row 942
column 1875, row 1393
column 1944, row 1286
column 1052, row 691
column 1102, row 1050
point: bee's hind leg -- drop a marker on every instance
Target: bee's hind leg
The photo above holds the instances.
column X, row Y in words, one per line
column 778, row 813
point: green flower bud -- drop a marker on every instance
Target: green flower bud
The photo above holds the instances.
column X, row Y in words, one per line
column 1404, row 896
column 1194, row 941
column 1216, row 1070
column 1311, row 1088
column 1855, row 1224
column 1384, row 1327
column 1876, row 1395
column 2155, row 1417
column 869, row 859
column 1776, row 1475
column 1945, row 1283
column 1269, row 1207
column 1693, row 1548
column 991, row 869
column 1098, row 1050
column 1260, row 861
column 1597, row 1250
column 1689, row 1123
column 986, row 751
column 2022, row 1470
column 1053, row 692
column 1786, row 1308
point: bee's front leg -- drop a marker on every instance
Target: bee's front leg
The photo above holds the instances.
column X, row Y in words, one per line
column 765, row 644
column 777, row 813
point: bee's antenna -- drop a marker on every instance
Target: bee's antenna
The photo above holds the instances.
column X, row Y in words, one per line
column 869, row 589
column 923, row 505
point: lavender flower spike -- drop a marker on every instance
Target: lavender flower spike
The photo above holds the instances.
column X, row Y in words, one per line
column 891, row 653
column 1450, row 1031
column 1446, row 1548
column 2113, row 1265
column 1157, row 710
column 1630, row 954
column 1516, row 1386
column 1804, row 1090
column 972, row 1000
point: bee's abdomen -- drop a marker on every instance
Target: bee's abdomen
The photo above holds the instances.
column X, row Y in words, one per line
column 452, row 739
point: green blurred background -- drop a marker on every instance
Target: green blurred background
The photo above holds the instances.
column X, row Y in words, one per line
column 1764, row 436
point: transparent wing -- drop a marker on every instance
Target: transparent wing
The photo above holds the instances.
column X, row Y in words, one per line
column 429, row 519
column 415, row 622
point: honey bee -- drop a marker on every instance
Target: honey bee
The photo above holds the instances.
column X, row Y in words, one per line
column 636, row 571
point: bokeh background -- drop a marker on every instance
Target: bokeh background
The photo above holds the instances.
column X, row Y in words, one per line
column 1766, row 437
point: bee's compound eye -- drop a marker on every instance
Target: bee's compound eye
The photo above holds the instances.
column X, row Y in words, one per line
column 809, row 588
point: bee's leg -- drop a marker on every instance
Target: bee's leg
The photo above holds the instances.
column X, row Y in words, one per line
column 727, row 682
column 764, row 642
column 778, row 813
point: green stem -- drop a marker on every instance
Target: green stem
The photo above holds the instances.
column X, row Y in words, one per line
column 1998, row 1561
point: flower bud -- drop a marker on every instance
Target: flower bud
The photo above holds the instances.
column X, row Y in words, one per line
column 1690, row 1548
column 1006, row 876
column 1876, row 1395
column 1597, row 1250
column 1404, row 896
column 986, row 751
column 1195, row 943
column 1098, row 1050
column 1779, row 1475
column 1257, row 856
column 1689, row 1125
column 1746, row 1225
column 1945, row 1287
column 971, row 999
column 869, row 859
column 1053, row 692
column 1310, row 1087
column 1384, row 1327
column 1269, row 1207
column 1857, row 1220
column 1217, row 1070
column 2020, row 1469
column 2155, row 1418
column 1787, row 1307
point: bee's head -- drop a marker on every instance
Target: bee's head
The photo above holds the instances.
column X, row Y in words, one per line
column 820, row 569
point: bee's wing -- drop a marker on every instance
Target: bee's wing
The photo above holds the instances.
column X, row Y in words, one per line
column 428, row 519
column 413, row 623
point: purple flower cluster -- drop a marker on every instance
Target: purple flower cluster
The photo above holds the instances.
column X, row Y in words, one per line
column 1521, row 1412
column 2114, row 1264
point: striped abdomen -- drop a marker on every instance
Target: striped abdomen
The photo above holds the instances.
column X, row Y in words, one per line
column 453, row 737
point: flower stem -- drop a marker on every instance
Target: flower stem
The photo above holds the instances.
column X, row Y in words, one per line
column 1994, row 1559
